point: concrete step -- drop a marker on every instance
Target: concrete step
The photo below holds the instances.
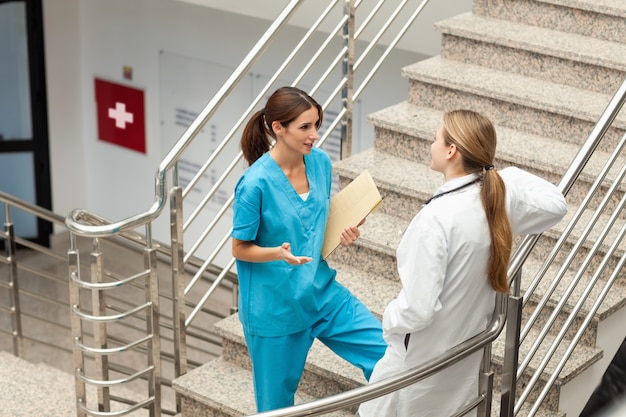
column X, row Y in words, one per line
column 406, row 131
column 380, row 235
column 325, row 373
column 222, row 389
column 581, row 359
column 555, row 295
column 563, row 58
column 602, row 19
column 404, row 186
column 522, row 103
column 375, row 252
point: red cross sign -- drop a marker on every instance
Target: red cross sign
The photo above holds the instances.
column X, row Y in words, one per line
column 120, row 111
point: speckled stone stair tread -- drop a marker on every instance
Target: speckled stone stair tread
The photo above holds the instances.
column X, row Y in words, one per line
column 613, row 301
column 25, row 386
column 525, row 410
column 321, row 360
column 521, row 148
column 559, row 44
column 227, row 388
column 375, row 291
column 602, row 222
column 525, row 91
column 604, row 18
column 391, row 174
column 581, row 358
column 381, row 232
column 416, row 182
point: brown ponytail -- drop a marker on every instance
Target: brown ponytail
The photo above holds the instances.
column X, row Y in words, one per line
column 475, row 138
column 284, row 106
column 254, row 140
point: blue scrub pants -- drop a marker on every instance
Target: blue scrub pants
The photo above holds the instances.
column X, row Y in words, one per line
column 350, row 330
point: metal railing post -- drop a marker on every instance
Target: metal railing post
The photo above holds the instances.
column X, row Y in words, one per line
column 511, row 349
column 100, row 328
column 347, row 92
column 153, row 325
column 485, row 384
column 178, row 285
column 14, row 288
column 76, row 325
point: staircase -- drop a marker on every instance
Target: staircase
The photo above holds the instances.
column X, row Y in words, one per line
column 543, row 71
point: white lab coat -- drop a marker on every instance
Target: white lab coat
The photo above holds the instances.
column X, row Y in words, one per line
column 446, row 297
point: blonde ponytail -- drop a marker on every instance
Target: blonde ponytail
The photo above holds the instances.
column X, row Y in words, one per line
column 475, row 138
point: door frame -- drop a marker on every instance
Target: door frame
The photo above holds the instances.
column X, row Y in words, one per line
column 39, row 145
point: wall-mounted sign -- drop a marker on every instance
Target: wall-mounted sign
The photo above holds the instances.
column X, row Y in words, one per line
column 120, row 111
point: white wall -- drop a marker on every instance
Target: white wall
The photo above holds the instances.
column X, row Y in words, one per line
column 89, row 38
column 63, row 75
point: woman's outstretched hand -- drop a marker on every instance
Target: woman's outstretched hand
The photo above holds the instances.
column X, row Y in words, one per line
column 290, row 258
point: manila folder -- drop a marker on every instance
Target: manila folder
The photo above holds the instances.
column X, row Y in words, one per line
column 348, row 207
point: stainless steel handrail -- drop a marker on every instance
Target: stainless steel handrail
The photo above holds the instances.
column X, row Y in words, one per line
column 23, row 205
column 404, row 379
column 579, row 334
column 127, row 241
column 573, row 172
column 398, row 36
column 573, row 316
column 82, row 223
column 577, row 165
column 374, row 390
column 582, row 239
column 74, row 220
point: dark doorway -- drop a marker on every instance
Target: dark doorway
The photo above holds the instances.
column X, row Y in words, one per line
column 24, row 154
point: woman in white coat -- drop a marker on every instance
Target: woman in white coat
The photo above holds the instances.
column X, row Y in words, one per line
column 452, row 260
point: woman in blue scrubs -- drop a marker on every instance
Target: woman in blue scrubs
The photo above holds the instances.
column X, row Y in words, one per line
column 288, row 293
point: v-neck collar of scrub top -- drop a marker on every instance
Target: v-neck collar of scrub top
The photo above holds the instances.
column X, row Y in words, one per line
column 304, row 208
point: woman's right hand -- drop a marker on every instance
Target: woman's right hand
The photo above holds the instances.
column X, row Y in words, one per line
column 290, row 258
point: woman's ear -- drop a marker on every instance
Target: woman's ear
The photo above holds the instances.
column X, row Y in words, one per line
column 452, row 151
column 277, row 128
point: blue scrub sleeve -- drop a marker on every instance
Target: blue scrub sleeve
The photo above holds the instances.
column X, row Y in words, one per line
column 247, row 211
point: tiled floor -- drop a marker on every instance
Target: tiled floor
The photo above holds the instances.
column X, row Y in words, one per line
column 45, row 320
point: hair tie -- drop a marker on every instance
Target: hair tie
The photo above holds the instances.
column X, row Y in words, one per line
column 488, row 167
column 264, row 119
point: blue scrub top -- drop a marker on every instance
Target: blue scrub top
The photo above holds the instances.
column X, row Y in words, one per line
column 276, row 298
